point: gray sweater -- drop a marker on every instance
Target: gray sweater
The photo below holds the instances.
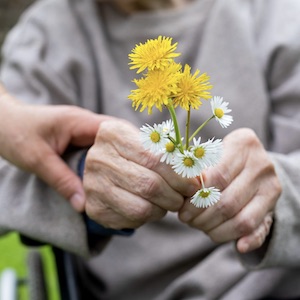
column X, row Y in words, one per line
column 73, row 52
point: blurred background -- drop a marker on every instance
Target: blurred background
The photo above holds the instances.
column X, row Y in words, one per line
column 10, row 11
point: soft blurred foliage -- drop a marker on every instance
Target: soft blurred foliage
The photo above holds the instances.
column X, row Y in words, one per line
column 13, row 255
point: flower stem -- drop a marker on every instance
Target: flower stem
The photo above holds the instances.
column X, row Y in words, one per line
column 187, row 128
column 202, row 181
column 200, row 127
column 176, row 126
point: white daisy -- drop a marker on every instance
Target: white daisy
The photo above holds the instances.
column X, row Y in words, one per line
column 206, row 197
column 219, row 109
column 187, row 165
column 169, row 152
column 153, row 138
column 208, row 153
column 168, row 128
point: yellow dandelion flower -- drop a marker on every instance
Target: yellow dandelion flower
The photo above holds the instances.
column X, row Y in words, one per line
column 192, row 88
column 154, row 54
column 155, row 88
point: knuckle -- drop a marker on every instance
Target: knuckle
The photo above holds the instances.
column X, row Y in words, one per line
column 140, row 213
column 94, row 157
column 158, row 215
column 216, row 238
column 222, row 178
column 175, row 205
column 33, row 160
column 97, row 160
column 98, row 213
column 268, row 168
column 259, row 237
column 147, row 159
column 276, row 186
column 107, row 132
column 249, row 137
column 226, row 209
column 148, row 186
column 183, row 220
column 244, row 226
column 105, row 215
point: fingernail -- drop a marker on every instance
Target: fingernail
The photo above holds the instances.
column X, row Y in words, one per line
column 77, row 201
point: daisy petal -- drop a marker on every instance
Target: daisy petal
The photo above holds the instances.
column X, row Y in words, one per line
column 206, row 197
column 220, row 110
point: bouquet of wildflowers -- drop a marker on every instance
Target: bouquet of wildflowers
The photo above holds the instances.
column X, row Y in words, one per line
column 166, row 83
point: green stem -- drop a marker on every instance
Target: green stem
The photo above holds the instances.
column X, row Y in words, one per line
column 176, row 126
column 187, row 128
column 200, row 127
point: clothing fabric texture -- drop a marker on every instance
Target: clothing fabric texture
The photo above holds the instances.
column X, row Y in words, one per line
column 76, row 52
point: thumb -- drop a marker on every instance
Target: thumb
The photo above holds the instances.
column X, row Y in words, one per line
column 56, row 173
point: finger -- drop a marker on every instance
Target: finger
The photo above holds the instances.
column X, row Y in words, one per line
column 133, row 178
column 267, row 189
column 239, row 181
column 237, row 149
column 232, row 201
column 83, row 135
column 53, row 170
column 244, row 223
column 119, row 209
column 131, row 140
column 220, row 176
column 256, row 239
column 70, row 125
column 185, row 186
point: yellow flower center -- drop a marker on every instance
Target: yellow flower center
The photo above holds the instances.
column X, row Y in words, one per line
column 170, row 147
column 199, row 152
column 188, row 162
column 155, row 137
column 219, row 113
column 204, row 194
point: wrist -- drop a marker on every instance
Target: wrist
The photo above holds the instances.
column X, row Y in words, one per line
column 96, row 230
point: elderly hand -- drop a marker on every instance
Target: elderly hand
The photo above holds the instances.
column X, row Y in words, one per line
column 126, row 185
column 250, row 190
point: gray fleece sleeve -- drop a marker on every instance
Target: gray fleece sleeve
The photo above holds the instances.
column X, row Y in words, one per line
column 279, row 54
column 33, row 71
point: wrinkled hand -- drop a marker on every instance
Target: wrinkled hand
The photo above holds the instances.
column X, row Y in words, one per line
column 36, row 136
column 250, row 190
column 126, row 185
